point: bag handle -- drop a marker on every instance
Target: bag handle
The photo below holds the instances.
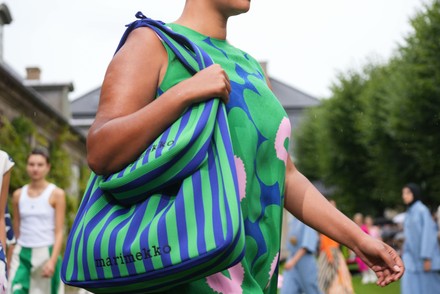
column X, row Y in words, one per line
column 142, row 173
column 198, row 60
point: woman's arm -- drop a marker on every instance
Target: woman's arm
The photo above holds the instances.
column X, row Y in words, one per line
column 16, row 213
column 428, row 240
column 290, row 263
column 129, row 117
column 58, row 201
column 304, row 201
column 3, row 202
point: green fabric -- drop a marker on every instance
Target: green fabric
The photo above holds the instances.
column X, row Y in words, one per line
column 56, row 280
column 255, row 117
column 23, row 274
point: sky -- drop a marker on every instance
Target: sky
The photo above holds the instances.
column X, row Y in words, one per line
column 306, row 44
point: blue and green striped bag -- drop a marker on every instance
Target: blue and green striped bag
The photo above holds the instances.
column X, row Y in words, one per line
column 170, row 217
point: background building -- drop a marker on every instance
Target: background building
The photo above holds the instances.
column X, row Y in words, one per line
column 45, row 105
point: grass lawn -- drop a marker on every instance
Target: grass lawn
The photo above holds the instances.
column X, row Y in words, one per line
column 359, row 288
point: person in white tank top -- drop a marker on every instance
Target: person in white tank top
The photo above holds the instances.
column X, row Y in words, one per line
column 6, row 165
column 39, row 210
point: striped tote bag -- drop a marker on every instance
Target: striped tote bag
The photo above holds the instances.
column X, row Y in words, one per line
column 170, row 217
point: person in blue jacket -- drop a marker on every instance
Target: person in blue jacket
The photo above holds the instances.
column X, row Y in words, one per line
column 421, row 252
column 300, row 270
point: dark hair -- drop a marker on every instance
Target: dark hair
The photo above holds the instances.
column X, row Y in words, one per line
column 415, row 190
column 40, row 151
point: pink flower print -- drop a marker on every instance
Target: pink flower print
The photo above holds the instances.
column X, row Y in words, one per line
column 273, row 267
column 283, row 132
column 241, row 177
column 222, row 284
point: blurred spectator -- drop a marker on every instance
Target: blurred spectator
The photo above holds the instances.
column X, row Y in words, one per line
column 372, row 228
column 421, row 251
column 333, row 274
column 368, row 275
column 10, row 237
column 39, row 211
column 438, row 222
column 300, row 273
column 6, row 165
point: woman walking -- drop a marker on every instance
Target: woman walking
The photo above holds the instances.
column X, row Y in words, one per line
column 39, row 211
column 333, row 274
column 421, row 251
column 146, row 88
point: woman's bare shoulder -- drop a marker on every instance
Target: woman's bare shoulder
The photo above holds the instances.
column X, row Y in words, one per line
column 132, row 76
column 58, row 192
column 143, row 40
column 16, row 194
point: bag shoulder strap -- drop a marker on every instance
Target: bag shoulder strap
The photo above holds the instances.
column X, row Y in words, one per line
column 192, row 56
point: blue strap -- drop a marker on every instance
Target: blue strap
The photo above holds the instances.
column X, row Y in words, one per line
column 173, row 40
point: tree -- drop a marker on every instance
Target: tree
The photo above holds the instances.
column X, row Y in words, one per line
column 381, row 127
column 386, row 162
column 414, row 121
column 307, row 153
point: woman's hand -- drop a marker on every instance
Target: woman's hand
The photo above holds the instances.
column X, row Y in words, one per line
column 295, row 258
column 381, row 258
column 427, row 265
column 289, row 264
column 128, row 110
column 211, row 82
column 48, row 269
column 304, row 201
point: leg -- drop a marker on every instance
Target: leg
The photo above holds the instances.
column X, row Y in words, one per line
column 429, row 281
column 308, row 274
column 20, row 271
column 290, row 282
column 411, row 283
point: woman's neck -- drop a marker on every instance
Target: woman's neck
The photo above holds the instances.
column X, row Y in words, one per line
column 209, row 23
column 411, row 203
column 38, row 184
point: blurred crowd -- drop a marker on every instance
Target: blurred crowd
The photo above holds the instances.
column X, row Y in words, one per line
column 317, row 264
